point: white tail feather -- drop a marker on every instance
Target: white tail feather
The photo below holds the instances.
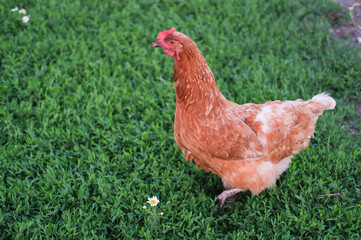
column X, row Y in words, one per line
column 325, row 100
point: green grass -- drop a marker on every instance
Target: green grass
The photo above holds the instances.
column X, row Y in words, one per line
column 87, row 108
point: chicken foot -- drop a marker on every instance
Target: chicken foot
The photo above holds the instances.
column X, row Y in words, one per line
column 222, row 198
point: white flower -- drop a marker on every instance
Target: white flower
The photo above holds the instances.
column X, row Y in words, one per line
column 359, row 39
column 26, row 19
column 153, row 201
column 161, row 213
column 23, row 11
column 14, row 9
column 144, row 207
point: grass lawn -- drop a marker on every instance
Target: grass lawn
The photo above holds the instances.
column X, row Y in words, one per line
column 87, row 108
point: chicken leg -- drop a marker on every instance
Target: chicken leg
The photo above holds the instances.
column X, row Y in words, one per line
column 222, row 198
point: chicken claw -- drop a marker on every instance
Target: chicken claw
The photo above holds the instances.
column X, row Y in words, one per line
column 222, row 198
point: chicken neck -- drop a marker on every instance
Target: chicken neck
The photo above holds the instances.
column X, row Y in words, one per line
column 194, row 80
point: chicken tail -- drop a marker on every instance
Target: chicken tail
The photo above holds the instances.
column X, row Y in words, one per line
column 323, row 102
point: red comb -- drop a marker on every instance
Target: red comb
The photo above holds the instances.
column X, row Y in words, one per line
column 163, row 34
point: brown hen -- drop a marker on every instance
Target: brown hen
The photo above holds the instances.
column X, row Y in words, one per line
column 249, row 146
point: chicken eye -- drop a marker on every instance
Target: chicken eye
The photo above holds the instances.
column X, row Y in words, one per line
column 171, row 42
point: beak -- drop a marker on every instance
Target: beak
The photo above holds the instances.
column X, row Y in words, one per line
column 155, row 44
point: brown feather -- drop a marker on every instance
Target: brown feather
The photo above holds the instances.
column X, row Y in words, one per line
column 248, row 146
